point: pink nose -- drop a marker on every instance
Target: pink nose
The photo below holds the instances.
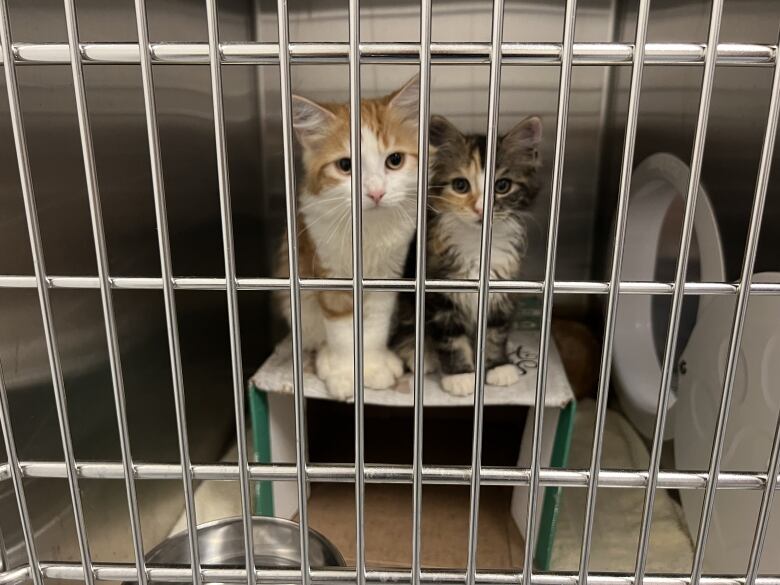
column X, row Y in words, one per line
column 376, row 195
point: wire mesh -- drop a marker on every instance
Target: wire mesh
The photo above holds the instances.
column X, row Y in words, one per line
column 283, row 54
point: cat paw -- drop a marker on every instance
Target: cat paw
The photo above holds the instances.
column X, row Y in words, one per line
column 459, row 384
column 502, row 375
column 341, row 387
column 381, row 369
column 336, row 371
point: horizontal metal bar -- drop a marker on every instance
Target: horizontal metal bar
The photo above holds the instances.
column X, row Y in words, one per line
column 401, row 474
column 391, row 285
column 125, row 572
column 256, row 53
column 18, row 575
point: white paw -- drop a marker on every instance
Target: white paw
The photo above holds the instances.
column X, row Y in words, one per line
column 459, row 384
column 336, row 371
column 381, row 369
column 502, row 375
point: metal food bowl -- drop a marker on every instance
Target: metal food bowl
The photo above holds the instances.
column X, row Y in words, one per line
column 221, row 544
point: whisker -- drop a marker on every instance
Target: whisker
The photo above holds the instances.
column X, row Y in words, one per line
column 326, row 215
column 336, row 228
column 319, row 202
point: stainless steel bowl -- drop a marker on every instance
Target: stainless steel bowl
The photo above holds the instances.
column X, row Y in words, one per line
column 221, row 544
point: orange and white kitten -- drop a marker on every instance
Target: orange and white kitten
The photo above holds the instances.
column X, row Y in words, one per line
column 389, row 190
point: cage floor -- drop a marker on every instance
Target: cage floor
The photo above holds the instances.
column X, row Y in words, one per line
column 445, row 523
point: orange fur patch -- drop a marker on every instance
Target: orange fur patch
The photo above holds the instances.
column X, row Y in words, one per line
column 449, row 199
column 395, row 130
column 335, row 304
column 394, row 133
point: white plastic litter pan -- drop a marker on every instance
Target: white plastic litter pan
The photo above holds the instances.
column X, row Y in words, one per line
column 652, row 240
column 655, row 208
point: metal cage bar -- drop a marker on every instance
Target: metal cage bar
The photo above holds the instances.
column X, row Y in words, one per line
column 376, row 473
column 357, row 286
column 169, row 300
column 738, row 326
column 765, row 510
column 483, row 294
column 496, row 53
column 549, row 276
column 605, row 367
column 47, row 319
column 4, row 553
column 299, row 399
column 470, row 53
column 230, row 280
column 697, row 156
column 106, row 297
column 569, row 287
column 120, row 572
column 16, row 476
column 14, row 469
column 419, row 284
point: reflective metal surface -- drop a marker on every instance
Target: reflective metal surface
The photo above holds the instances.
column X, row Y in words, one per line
column 225, row 214
column 221, row 544
column 667, row 118
column 116, row 115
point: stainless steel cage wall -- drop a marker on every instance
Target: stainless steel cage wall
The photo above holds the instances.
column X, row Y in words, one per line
column 496, row 54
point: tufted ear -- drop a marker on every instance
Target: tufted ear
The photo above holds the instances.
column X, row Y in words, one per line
column 406, row 99
column 310, row 119
column 441, row 132
column 527, row 134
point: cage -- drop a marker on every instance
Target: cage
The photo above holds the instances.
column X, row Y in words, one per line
column 149, row 174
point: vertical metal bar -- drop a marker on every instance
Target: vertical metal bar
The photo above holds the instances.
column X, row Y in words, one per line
column 677, row 298
column 39, row 265
column 357, row 286
column 295, row 285
column 166, row 270
column 549, row 277
column 230, row 281
column 626, row 169
column 419, row 296
column 4, row 557
column 106, row 296
column 16, row 477
column 765, row 510
column 483, row 294
column 738, row 326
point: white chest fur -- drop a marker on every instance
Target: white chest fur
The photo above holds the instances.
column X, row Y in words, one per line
column 505, row 259
column 386, row 236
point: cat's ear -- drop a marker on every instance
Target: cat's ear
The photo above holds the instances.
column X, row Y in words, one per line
column 406, row 99
column 310, row 119
column 527, row 134
column 441, row 132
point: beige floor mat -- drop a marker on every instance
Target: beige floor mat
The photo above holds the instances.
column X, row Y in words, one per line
column 388, row 510
column 618, row 511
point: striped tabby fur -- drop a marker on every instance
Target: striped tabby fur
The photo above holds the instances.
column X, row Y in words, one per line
column 454, row 232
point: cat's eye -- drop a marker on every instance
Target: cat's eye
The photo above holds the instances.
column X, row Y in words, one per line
column 460, row 185
column 503, row 186
column 394, row 161
column 344, row 165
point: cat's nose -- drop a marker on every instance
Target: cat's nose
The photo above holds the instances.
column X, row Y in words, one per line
column 376, row 195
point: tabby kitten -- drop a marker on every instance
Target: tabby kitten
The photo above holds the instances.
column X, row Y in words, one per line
column 455, row 201
column 389, row 190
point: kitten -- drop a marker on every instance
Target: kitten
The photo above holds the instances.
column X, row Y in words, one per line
column 389, row 142
column 455, row 202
